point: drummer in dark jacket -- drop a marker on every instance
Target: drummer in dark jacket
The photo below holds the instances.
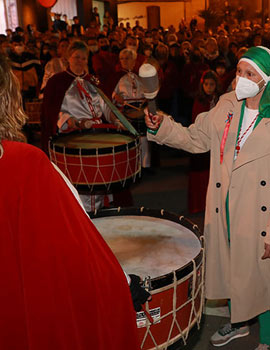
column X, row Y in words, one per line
column 71, row 102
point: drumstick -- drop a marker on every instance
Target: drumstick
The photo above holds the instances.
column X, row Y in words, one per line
column 129, row 105
column 84, row 124
column 150, row 318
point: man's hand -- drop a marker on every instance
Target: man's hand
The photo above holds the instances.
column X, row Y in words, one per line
column 114, row 120
column 119, row 99
column 84, row 123
column 266, row 254
column 119, row 125
column 71, row 122
column 77, row 124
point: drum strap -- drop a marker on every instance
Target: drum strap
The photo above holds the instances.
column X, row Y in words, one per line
column 131, row 77
column 83, row 93
column 117, row 113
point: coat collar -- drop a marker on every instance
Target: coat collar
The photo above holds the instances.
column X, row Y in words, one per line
column 256, row 146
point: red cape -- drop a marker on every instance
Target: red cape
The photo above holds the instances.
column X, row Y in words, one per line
column 61, row 288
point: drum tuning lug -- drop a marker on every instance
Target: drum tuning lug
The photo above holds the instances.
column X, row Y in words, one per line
column 147, row 283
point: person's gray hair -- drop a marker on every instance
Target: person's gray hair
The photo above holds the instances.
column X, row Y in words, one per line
column 77, row 45
column 131, row 52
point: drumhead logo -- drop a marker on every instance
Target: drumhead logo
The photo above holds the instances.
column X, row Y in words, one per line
column 141, row 317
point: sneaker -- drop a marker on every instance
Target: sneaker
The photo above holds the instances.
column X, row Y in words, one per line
column 227, row 333
column 263, row 347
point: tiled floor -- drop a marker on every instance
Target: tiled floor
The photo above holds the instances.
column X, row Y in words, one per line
column 166, row 189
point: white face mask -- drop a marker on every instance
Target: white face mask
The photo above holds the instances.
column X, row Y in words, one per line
column 246, row 88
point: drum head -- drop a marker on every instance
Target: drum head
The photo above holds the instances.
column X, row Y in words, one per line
column 100, row 140
column 148, row 246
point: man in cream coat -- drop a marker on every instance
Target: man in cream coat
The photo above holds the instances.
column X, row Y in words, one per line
column 237, row 218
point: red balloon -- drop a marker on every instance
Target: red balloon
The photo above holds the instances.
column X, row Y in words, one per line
column 47, row 3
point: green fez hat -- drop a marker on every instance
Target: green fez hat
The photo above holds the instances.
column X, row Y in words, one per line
column 259, row 58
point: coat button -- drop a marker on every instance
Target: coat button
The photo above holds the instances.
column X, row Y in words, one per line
column 216, row 210
column 263, row 208
column 218, row 184
column 263, row 183
column 263, row 233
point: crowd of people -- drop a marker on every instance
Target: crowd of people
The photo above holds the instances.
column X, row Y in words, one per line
column 181, row 56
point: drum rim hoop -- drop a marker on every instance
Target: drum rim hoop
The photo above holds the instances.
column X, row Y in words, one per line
column 93, row 151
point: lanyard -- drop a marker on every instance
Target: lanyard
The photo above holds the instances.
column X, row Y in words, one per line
column 83, row 93
column 256, row 120
column 225, row 135
column 226, row 130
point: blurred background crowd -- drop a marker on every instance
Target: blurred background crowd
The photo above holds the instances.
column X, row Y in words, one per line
column 181, row 55
column 195, row 66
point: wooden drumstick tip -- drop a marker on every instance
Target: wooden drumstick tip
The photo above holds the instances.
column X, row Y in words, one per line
column 84, row 124
column 147, row 314
column 87, row 124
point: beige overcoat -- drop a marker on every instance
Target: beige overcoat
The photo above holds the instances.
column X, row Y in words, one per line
column 237, row 271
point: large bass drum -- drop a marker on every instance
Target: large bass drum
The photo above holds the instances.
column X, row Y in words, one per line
column 166, row 251
column 97, row 160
